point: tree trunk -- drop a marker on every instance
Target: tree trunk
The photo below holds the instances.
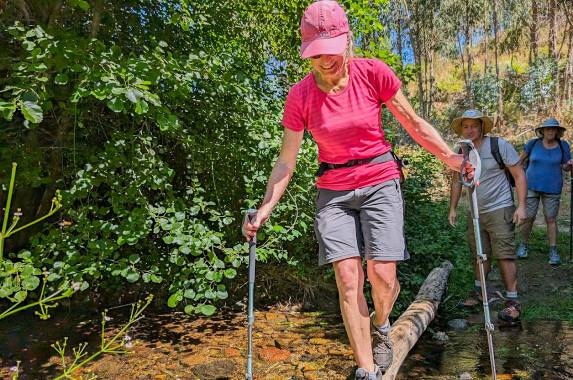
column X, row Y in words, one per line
column 96, row 18
column 552, row 36
column 468, row 49
column 485, row 40
column 533, row 32
column 413, row 322
column 568, row 80
column 568, row 75
column 418, row 61
column 399, row 36
column 463, row 60
column 499, row 116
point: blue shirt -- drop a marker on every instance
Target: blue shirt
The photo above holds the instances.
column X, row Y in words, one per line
column 544, row 170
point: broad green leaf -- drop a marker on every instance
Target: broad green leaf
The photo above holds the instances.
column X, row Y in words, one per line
column 156, row 279
column 206, row 310
column 61, row 78
column 230, row 273
column 116, row 105
column 141, row 107
column 32, row 112
column 174, row 299
column 132, row 277
column 82, row 4
column 190, row 309
column 134, row 258
column 20, row 296
column 30, row 283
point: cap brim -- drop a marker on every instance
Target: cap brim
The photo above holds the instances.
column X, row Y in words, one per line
column 539, row 129
column 332, row 46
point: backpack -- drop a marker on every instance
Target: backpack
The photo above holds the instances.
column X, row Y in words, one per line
column 494, row 145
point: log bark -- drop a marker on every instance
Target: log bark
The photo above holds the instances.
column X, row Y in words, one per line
column 413, row 322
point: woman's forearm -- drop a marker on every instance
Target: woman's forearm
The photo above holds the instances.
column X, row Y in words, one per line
column 276, row 186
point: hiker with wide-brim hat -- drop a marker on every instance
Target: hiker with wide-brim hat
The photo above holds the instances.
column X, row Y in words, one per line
column 547, row 156
column 497, row 213
column 359, row 203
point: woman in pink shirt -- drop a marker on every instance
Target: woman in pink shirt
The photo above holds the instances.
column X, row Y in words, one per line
column 359, row 205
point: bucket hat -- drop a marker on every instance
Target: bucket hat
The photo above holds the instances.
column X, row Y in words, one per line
column 324, row 29
column 487, row 123
column 549, row 123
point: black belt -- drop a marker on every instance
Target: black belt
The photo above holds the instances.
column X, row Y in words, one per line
column 388, row 156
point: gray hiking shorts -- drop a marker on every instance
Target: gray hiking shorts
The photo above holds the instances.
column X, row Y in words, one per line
column 550, row 204
column 365, row 222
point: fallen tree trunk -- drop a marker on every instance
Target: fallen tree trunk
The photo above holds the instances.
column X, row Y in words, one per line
column 413, row 322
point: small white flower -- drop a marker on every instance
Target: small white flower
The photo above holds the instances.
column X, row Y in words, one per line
column 107, row 319
column 128, row 345
column 76, row 286
column 127, row 338
column 14, row 368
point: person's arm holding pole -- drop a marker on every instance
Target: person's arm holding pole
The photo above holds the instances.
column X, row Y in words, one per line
column 422, row 132
column 278, row 180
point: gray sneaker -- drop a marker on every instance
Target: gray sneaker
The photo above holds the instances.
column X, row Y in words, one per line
column 522, row 251
column 363, row 374
column 554, row 258
column 381, row 349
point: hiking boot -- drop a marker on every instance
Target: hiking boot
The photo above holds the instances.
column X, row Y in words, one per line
column 511, row 313
column 363, row 374
column 522, row 251
column 381, row 349
column 554, row 258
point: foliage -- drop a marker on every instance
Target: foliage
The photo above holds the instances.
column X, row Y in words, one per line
column 117, row 344
column 425, row 195
column 538, row 89
column 486, row 93
column 160, row 122
column 22, row 276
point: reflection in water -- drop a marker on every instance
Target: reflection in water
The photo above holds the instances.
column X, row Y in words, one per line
column 536, row 350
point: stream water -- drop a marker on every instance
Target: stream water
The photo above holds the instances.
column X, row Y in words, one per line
column 287, row 346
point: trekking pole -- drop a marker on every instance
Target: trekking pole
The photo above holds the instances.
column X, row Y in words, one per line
column 470, row 154
column 571, row 214
column 252, row 215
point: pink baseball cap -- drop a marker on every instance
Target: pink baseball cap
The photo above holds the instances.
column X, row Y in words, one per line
column 324, row 29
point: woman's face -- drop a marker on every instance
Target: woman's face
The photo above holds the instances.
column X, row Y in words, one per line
column 328, row 66
column 550, row 133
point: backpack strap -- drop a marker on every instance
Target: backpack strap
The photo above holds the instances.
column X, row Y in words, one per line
column 562, row 151
column 532, row 146
column 494, row 145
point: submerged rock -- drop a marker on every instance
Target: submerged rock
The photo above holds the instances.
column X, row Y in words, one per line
column 441, row 336
column 458, row 324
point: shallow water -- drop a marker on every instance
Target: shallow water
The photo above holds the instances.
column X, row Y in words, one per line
column 288, row 345
column 535, row 350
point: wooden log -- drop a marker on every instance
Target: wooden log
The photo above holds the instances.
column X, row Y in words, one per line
column 413, row 322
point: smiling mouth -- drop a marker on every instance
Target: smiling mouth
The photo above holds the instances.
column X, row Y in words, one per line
column 327, row 68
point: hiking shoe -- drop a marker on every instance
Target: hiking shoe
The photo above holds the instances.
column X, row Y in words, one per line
column 522, row 251
column 363, row 374
column 511, row 313
column 381, row 349
column 554, row 258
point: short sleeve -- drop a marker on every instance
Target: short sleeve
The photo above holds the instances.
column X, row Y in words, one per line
column 293, row 116
column 508, row 153
column 387, row 82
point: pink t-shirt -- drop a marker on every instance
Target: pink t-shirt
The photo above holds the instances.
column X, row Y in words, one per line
column 347, row 126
